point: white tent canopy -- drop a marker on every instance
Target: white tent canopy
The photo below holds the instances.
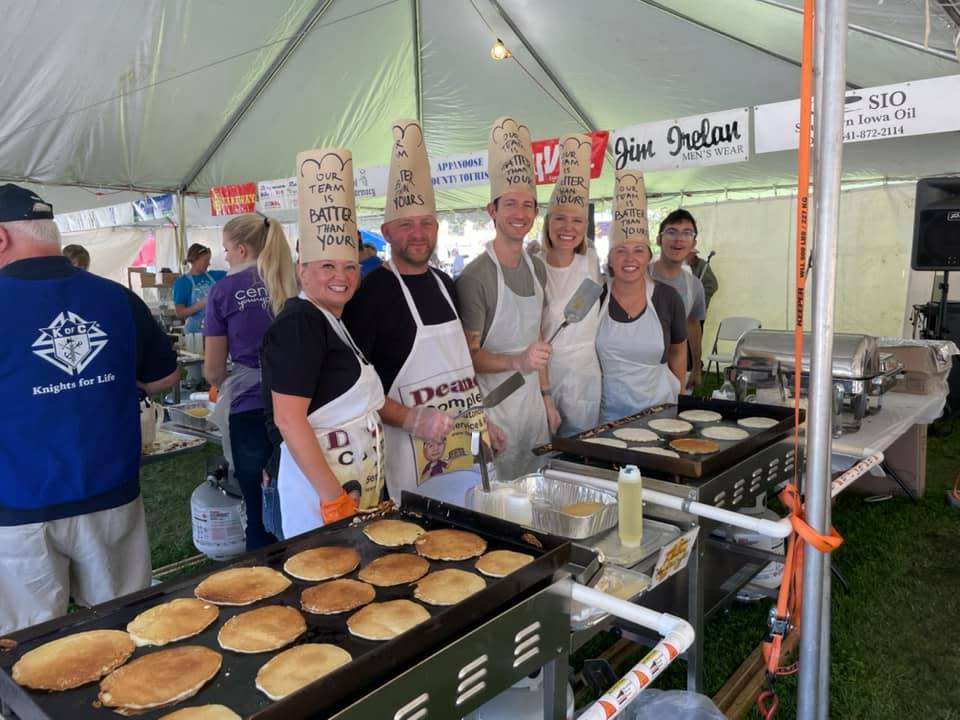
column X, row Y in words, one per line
column 161, row 95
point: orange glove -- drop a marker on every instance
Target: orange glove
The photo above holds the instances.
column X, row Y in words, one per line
column 342, row 507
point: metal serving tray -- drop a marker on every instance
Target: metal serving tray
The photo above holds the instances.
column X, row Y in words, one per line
column 374, row 663
column 535, row 501
column 686, row 466
column 855, row 357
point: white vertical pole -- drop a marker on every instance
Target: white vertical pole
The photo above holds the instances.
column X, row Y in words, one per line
column 831, row 35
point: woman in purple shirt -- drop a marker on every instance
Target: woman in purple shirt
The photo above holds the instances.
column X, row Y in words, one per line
column 239, row 310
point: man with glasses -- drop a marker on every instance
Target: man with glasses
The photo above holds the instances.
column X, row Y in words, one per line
column 677, row 237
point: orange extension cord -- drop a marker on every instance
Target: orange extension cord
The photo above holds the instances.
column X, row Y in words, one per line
column 787, row 612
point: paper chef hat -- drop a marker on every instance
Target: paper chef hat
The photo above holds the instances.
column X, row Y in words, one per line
column 410, row 190
column 327, row 212
column 572, row 190
column 510, row 159
column 629, row 208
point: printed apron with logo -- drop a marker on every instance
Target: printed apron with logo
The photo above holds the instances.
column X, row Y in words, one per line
column 438, row 373
column 516, row 324
column 634, row 378
column 574, row 368
column 351, row 438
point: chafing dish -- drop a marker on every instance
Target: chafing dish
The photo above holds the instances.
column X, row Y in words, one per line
column 861, row 373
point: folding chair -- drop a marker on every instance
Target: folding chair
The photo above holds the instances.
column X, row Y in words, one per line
column 731, row 329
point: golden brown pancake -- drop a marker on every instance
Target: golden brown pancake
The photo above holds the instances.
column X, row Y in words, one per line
column 160, row 678
column 386, row 620
column 297, row 667
column 203, row 712
column 695, row 446
column 582, row 509
column 450, row 545
column 392, row 533
column 74, row 660
column 448, row 587
column 336, row 596
column 172, row 621
column 266, row 628
column 322, row 563
column 394, row 569
column 500, row 563
column 241, row 586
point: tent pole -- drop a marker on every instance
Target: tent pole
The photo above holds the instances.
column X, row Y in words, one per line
column 237, row 115
column 831, row 35
column 417, row 60
column 181, row 227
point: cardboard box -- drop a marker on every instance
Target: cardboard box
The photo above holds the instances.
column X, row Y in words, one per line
column 921, row 374
column 907, row 457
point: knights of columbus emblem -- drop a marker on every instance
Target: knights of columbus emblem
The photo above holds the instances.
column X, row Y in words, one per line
column 70, row 342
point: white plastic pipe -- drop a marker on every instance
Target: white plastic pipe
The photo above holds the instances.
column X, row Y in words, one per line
column 677, row 636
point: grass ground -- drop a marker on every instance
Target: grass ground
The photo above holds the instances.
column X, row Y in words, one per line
column 895, row 649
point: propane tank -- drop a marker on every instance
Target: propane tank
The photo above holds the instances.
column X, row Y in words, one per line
column 219, row 519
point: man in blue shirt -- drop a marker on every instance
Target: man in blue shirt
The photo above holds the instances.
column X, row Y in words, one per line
column 77, row 349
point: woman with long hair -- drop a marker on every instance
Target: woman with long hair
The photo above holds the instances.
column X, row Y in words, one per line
column 239, row 310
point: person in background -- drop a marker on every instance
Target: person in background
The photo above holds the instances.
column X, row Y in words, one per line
column 677, row 237
column 77, row 350
column 641, row 342
column 501, row 296
column 574, row 368
column 190, row 290
column 704, row 273
column 369, row 260
column 78, row 256
column 239, row 310
column 405, row 320
column 456, row 263
column 320, row 391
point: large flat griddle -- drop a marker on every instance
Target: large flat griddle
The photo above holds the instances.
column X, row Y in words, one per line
column 373, row 662
column 686, row 466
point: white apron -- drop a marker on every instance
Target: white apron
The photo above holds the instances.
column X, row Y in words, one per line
column 351, row 437
column 516, row 324
column 634, row 378
column 437, row 373
column 574, row 368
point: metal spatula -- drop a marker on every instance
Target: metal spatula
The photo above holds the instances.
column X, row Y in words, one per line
column 496, row 396
column 579, row 305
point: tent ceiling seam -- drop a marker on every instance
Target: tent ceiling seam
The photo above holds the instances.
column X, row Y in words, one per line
column 318, row 11
column 733, row 38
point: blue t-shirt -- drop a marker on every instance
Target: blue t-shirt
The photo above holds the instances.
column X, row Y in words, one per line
column 188, row 289
column 239, row 309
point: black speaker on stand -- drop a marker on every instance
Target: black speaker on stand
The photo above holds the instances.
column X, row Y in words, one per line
column 936, row 246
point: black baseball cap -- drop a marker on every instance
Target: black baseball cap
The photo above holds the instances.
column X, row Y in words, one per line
column 18, row 203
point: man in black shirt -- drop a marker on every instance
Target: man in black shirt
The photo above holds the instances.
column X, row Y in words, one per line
column 406, row 322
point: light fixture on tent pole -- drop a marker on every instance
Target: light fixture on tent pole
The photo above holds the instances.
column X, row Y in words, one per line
column 499, row 51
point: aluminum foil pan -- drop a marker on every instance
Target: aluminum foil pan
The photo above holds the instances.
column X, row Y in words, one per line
column 536, row 502
column 180, row 416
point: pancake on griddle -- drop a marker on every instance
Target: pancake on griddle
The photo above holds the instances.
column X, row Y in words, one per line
column 450, row 545
column 74, row 660
column 172, row 621
column 700, row 416
column 160, row 678
column 635, row 434
column 241, row 586
column 267, row 628
column 695, row 446
column 757, row 422
column 656, row 451
column 670, row 426
column 725, row 432
column 500, row 563
column 394, row 569
column 392, row 533
column 336, row 596
column 203, row 712
column 386, row 620
column 322, row 563
column 611, row 442
column 448, row 587
column 297, row 667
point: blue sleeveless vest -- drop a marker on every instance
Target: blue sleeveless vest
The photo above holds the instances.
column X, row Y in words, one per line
column 69, row 426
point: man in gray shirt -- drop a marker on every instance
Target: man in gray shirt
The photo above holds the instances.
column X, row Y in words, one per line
column 677, row 237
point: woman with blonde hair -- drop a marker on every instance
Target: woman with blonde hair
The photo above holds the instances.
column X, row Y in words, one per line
column 239, row 310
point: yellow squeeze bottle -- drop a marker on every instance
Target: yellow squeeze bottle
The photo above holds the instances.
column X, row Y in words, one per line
column 630, row 506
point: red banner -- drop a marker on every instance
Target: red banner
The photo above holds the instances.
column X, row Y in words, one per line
column 233, row 199
column 546, row 156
